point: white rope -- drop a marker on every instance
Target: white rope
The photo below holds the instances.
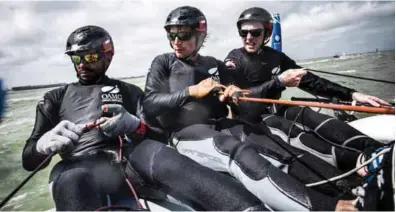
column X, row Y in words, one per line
column 350, row 172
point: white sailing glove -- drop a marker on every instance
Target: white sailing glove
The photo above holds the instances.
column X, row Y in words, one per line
column 60, row 138
column 121, row 123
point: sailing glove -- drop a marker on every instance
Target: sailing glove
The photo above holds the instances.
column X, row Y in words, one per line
column 120, row 123
column 60, row 138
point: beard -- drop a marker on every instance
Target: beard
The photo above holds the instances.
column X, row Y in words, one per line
column 88, row 76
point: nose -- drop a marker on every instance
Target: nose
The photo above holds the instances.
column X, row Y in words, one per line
column 81, row 65
column 177, row 41
column 249, row 36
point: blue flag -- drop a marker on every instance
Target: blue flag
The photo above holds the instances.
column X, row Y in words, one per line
column 276, row 40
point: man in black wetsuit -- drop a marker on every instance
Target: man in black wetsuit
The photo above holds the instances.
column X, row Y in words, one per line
column 267, row 72
column 180, row 89
column 88, row 175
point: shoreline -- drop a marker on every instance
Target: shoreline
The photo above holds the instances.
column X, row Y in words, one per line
column 33, row 87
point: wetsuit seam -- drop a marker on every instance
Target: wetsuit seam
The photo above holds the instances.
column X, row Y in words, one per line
column 353, row 138
column 322, row 123
column 265, row 118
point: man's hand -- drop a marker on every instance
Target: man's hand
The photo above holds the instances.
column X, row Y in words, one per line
column 60, row 138
column 372, row 100
column 203, row 88
column 292, row 77
column 234, row 92
column 121, row 123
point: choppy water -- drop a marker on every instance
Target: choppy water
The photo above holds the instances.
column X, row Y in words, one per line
column 20, row 114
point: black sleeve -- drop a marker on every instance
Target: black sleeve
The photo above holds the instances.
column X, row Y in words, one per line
column 274, row 86
column 265, row 90
column 158, row 99
column 287, row 63
column 316, row 85
column 322, row 87
column 47, row 116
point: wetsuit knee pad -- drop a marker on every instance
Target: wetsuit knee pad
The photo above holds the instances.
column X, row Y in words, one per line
column 248, row 159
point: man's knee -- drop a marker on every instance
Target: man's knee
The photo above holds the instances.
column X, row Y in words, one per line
column 142, row 157
column 78, row 178
column 245, row 157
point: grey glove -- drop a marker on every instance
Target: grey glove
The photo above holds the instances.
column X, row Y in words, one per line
column 60, row 138
column 121, row 123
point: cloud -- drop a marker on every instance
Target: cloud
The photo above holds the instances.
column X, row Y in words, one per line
column 332, row 26
column 33, row 35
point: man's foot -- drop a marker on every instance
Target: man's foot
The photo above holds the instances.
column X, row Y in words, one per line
column 377, row 191
column 367, row 155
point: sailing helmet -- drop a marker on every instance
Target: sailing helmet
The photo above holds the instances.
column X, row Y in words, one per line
column 261, row 15
column 89, row 37
column 191, row 17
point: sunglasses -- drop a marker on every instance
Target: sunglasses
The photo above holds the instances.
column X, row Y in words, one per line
column 183, row 36
column 88, row 58
column 253, row 32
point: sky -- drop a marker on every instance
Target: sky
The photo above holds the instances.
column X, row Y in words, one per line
column 33, row 33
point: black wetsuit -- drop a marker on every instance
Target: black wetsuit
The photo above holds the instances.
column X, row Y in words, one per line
column 332, row 140
column 251, row 154
column 87, row 177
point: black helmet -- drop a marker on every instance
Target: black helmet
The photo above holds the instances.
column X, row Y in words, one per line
column 191, row 17
column 89, row 37
column 260, row 15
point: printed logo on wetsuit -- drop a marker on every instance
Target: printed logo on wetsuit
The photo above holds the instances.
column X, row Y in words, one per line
column 110, row 94
column 214, row 74
column 276, row 70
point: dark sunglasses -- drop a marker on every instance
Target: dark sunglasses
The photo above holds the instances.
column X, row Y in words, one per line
column 88, row 58
column 254, row 32
column 183, row 36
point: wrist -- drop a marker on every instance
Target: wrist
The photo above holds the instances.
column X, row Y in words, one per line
column 281, row 80
column 353, row 95
column 192, row 90
column 37, row 151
